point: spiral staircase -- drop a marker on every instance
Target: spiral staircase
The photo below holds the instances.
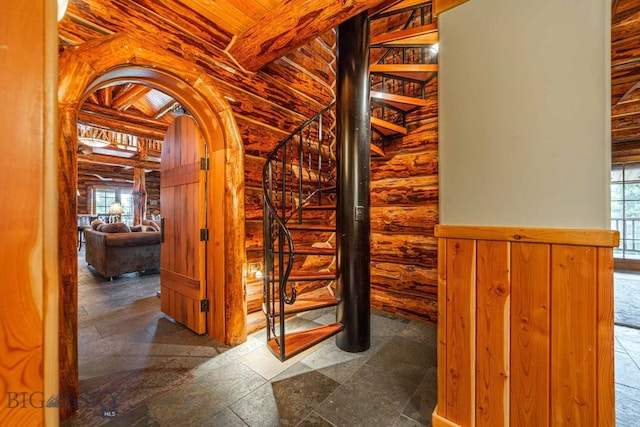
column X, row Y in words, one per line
column 299, row 182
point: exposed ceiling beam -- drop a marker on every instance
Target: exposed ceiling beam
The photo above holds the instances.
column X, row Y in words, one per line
column 129, row 97
column 104, row 159
column 290, row 26
column 167, row 108
column 95, row 115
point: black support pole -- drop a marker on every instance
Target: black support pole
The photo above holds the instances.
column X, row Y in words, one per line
column 353, row 127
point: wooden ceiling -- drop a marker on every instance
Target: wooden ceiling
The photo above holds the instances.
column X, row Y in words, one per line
column 625, row 71
column 217, row 24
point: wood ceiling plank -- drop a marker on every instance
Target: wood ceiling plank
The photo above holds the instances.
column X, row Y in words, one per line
column 230, row 18
column 291, row 25
column 188, row 19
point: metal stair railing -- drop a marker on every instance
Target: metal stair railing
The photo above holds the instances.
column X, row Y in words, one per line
column 299, row 168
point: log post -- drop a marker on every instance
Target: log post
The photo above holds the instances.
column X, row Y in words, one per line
column 139, row 196
column 353, row 217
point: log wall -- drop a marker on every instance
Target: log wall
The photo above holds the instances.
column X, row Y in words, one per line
column 96, row 175
column 267, row 105
column 525, row 327
column 404, row 212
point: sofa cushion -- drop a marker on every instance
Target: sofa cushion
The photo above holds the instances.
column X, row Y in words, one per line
column 117, row 227
column 96, row 223
column 135, row 228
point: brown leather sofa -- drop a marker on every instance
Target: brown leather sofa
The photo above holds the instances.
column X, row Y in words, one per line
column 112, row 254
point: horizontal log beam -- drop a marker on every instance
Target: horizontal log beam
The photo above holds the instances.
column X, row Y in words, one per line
column 104, row 159
column 291, row 25
column 108, row 118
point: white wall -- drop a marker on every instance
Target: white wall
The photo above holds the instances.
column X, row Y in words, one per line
column 524, row 90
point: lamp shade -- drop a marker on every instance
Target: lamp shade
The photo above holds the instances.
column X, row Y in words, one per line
column 115, row 209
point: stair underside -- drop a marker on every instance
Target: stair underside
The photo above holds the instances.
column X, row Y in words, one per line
column 392, row 6
column 307, row 276
column 310, row 250
column 398, row 102
column 297, row 342
column 415, row 72
column 386, row 128
column 422, row 35
column 311, row 227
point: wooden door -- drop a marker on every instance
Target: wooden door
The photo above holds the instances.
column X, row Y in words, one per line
column 182, row 202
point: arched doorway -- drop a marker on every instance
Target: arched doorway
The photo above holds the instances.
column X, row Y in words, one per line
column 116, row 59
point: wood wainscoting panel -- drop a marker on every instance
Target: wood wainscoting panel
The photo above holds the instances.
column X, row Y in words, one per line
column 606, row 393
column 492, row 333
column 525, row 327
column 573, row 335
column 530, row 326
column 442, row 327
column 461, row 271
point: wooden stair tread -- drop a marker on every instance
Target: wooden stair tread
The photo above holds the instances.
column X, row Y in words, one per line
column 311, row 227
column 306, row 304
column 399, row 102
column 376, row 150
column 387, row 128
column 297, row 342
column 428, row 32
column 308, row 276
column 416, row 72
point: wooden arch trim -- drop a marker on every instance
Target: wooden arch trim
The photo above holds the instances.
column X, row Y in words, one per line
column 115, row 59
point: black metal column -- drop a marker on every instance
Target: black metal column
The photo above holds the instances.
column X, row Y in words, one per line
column 353, row 131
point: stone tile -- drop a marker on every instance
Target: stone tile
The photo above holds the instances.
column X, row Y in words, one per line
column 626, row 371
column 404, row 421
column 370, row 397
column 629, row 339
column 627, row 406
column 224, row 418
column 405, row 358
column 203, row 397
column 314, row 420
column 262, row 361
column 425, row 398
column 138, row 417
column 340, row 365
column 383, row 325
column 421, row 332
column 285, row 402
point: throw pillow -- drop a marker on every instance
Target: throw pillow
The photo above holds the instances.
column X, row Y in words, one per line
column 117, row 227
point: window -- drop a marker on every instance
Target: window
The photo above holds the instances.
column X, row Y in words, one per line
column 104, row 197
column 625, row 208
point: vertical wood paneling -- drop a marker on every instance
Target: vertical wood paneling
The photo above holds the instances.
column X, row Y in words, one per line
column 539, row 349
column 492, row 333
column 530, row 326
column 605, row 373
column 183, row 200
column 573, row 335
column 442, row 326
column 461, row 272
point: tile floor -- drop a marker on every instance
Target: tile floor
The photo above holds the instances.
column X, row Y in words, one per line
column 154, row 372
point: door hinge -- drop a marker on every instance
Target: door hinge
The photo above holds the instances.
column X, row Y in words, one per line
column 204, row 305
column 204, row 234
column 204, row 163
